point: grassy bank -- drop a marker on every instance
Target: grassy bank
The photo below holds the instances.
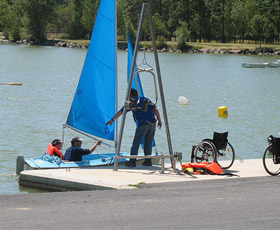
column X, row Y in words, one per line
column 200, row 45
column 233, row 46
column 195, row 45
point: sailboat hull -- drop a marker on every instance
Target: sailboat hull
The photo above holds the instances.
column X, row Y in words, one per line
column 91, row 160
column 274, row 65
column 255, row 65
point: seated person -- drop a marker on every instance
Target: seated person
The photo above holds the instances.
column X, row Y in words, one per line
column 54, row 148
column 75, row 152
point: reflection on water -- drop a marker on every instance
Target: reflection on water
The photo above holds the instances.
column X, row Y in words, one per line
column 31, row 115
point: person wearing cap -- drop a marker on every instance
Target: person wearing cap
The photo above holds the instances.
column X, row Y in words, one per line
column 75, row 152
column 54, row 148
column 146, row 126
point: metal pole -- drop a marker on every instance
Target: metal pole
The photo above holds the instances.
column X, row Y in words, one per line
column 63, row 128
column 85, row 134
column 128, row 88
column 116, row 77
column 160, row 84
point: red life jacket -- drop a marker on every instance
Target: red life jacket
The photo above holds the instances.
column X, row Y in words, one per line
column 54, row 151
column 207, row 167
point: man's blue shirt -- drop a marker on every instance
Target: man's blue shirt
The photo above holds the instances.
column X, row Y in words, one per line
column 75, row 153
column 141, row 117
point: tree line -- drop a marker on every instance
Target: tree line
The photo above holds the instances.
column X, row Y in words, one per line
column 183, row 20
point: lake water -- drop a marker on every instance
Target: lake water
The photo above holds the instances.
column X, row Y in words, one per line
column 32, row 115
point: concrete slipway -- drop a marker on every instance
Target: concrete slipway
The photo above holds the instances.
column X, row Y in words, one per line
column 126, row 178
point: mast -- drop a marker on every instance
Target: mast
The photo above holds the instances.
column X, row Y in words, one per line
column 116, row 77
column 263, row 49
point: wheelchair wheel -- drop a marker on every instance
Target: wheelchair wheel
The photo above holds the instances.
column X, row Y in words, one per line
column 226, row 156
column 205, row 151
column 268, row 162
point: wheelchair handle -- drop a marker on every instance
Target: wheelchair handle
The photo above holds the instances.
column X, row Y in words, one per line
column 269, row 139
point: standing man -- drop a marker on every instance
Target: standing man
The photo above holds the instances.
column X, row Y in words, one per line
column 75, row 152
column 146, row 126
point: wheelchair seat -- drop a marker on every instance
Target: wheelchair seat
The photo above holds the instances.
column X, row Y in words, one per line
column 276, row 149
column 275, row 145
column 220, row 140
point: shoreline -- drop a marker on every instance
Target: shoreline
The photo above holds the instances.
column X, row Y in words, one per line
column 123, row 46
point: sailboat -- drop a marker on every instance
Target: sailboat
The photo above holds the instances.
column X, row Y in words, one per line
column 275, row 64
column 257, row 65
column 95, row 100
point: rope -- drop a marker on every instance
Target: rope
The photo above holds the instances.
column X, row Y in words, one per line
column 144, row 61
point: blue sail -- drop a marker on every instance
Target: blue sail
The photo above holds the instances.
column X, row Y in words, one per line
column 129, row 64
column 95, row 98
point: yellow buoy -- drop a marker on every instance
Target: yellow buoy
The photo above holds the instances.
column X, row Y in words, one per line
column 222, row 111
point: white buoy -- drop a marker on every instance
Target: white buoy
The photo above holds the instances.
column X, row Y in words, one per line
column 183, row 100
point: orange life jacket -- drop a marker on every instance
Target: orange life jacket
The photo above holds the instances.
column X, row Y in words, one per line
column 207, row 167
column 52, row 150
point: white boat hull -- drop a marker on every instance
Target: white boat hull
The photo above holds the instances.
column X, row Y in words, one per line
column 274, row 64
column 255, row 65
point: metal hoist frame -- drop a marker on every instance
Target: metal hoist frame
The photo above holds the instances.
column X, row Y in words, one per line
column 155, row 83
column 146, row 12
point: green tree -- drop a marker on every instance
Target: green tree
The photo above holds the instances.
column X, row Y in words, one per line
column 202, row 19
column 173, row 17
column 77, row 29
column 276, row 17
column 159, row 27
column 37, row 15
column 229, row 31
column 63, row 22
column 239, row 16
column 259, row 27
column 270, row 9
column 218, row 19
column 10, row 20
column 89, row 14
column 182, row 35
column 131, row 30
column 4, row 18
column 15, row 15
column 121, row 19
column 131, row 11
column 221, row 20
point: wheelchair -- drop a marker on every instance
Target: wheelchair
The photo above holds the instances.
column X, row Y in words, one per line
column 218, row 150
column 271, row 156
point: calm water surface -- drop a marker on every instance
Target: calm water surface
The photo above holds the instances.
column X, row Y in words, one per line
column 32, row 115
